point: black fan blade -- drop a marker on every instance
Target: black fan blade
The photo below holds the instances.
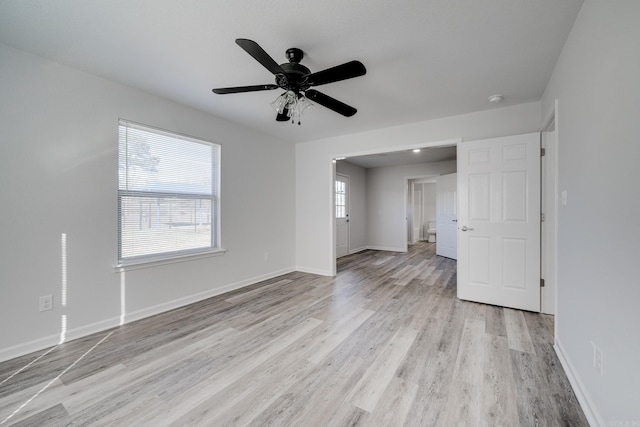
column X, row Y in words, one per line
column 254, row 49
column 239, row 89
column 330, row 103
column 335, row 74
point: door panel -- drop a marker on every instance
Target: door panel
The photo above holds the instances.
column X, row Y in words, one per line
column 342, row 215
column 499, row 207
column 417, row 213
column 447, row 216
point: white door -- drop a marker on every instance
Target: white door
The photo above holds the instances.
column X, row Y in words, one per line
column 342, row 215
column 499, row 221
column 417, row 212
column 447, row 216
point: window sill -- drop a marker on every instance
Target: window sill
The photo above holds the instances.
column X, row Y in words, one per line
column 153, row 262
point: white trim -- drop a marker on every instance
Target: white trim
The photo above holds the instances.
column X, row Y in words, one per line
column 181, row 302
column 332, row 222
column 586, row 403
column 551, row 117
column 551, row 233
column 152, row 262
column 387, row 248
column 53, row 340
column 100, row 326
column 161, row 131
column 312, row 270
column 356, row 250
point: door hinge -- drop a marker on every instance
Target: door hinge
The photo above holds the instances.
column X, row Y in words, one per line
column 542, row 217
column 542, row 283
column 543, row 152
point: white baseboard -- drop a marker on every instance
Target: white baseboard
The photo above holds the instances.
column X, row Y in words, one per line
column 386, row 248
column 103, row 325
column 312, row 270
column 53, row 340
column 590, row 411
column 28, row 347
column 360, row 249
column 181, row 302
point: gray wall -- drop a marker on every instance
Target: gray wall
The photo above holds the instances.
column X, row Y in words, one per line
column 377, row 197
column 59, row 172
column 386, row 201
column 597, row 84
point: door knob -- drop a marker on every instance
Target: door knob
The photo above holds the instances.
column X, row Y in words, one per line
column 465, row 228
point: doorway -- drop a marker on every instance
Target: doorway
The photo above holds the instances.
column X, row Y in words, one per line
column 378, row 192
column 421, row 207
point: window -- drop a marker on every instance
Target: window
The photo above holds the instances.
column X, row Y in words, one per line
column 341, row 199
column 168, row 194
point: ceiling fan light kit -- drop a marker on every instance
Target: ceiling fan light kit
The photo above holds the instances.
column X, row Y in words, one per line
column 297, row 80
column 290, row 105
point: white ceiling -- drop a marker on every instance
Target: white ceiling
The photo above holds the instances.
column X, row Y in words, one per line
column 425, row 58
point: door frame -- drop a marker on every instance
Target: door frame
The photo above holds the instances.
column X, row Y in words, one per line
column 408, row 197
column 549, row 234
column 345, row 156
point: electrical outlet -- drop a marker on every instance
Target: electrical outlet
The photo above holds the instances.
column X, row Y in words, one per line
column 46, row 303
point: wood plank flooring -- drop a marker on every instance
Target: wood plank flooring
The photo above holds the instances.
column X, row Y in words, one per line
column 385, row 343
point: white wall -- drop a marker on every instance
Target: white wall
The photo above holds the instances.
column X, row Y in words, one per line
column 314, row 168
column 357, row 204
column 597, row 84
column 58, row 174
column 386, row 202
column 429, row 196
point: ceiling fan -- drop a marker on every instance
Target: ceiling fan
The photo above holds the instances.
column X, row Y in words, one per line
column 297, row 80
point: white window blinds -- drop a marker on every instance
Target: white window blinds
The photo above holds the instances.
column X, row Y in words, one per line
column 167, row 194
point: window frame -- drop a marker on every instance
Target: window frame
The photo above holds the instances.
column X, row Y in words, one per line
column 342, row 196
column 139, row 261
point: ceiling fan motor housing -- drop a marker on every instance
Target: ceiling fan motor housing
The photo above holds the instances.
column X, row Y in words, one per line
column 295, row 73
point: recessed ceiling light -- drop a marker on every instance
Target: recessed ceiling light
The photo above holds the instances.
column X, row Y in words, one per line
column 495, row 98
column 417, row 150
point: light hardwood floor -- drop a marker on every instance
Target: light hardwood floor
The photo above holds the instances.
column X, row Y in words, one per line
column 384, row 343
